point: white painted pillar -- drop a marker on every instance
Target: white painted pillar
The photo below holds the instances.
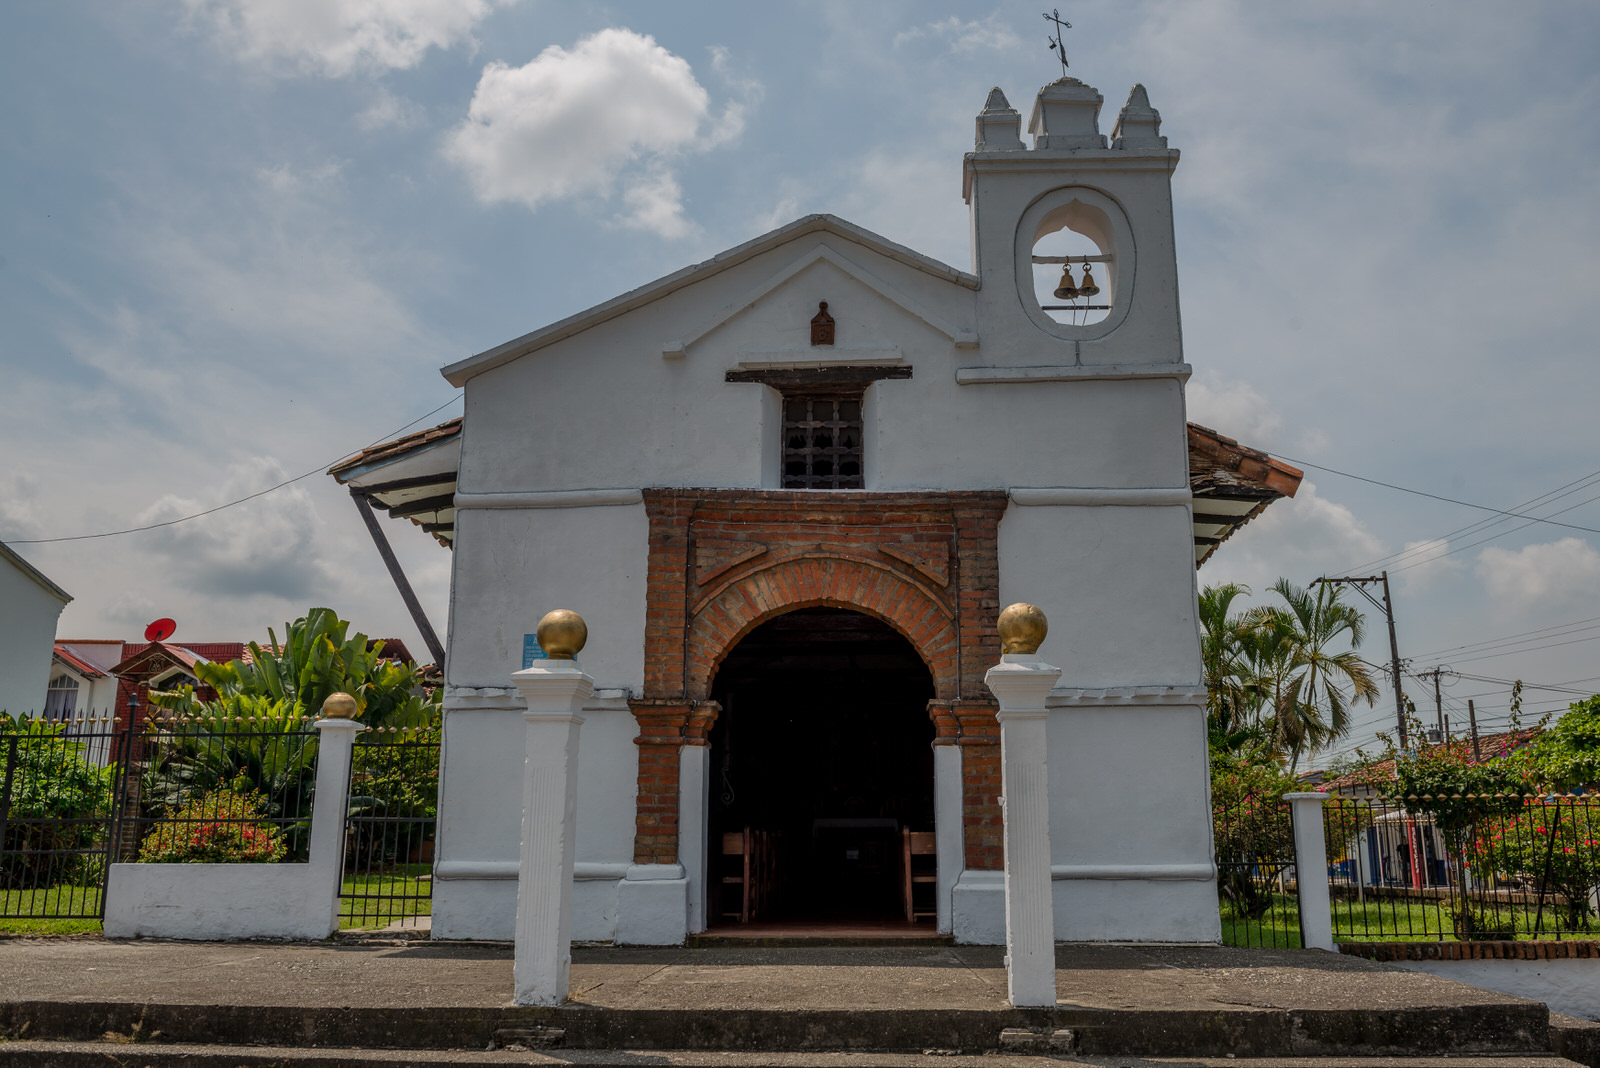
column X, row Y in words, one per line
column 948, row 826
column 336, row 738
column 694, row 800
column 1311, row 870
column 1021, row 682
column 555, row 691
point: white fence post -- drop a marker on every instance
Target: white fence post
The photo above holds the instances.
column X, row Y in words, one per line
column 1311, row 870
column 1021, row 682
column 555, row 691
column 336, row 730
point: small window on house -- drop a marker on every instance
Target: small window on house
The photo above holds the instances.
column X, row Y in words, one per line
column 822, row 442
column 61, row 698
column 174, row 681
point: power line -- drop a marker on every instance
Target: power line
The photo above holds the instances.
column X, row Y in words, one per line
column 260, row 493
column 1484, row 524
column 1435, row 496
column 1508, row 637
column 1492, row 537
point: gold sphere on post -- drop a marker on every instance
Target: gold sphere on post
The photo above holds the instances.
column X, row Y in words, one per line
column 340, row 705
column 562, row 634
column 1022, row 628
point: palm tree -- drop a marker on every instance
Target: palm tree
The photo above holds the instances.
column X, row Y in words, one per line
column 1311, row 707
column 1226, row 649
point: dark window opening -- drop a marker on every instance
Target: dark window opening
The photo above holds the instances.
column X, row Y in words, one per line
column 822, row 442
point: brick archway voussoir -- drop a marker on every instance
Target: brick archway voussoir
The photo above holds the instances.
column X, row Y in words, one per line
column 814, row 582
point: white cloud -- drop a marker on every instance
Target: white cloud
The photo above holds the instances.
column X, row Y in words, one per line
column 963, row 35
column 1236, row 409
column 339, row 37
column 1426, row 564
column 19, row 507
column 262, row 547
column 1299, row 539
column 389, row 110
column 1544, row 577
column 615, row 109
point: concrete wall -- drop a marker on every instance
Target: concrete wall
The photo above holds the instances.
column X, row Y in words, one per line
column 28, row 615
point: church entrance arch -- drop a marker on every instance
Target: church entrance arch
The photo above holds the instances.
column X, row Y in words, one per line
column 821, row 763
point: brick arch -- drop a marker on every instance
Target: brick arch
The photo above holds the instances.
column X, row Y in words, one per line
column 822, row 581
column 724, row 561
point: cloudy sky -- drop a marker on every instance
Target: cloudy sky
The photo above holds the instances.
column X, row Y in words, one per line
column 238, row 238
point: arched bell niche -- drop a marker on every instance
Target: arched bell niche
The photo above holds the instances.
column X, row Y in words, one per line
column 1075, row 263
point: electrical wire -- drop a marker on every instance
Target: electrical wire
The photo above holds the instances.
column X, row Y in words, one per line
column 259, row 493
column 1549, row 497
column 1435, row 496
column 1473, row 646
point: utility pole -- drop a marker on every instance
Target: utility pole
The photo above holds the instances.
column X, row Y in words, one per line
column 1472, row 721
column 1359, row 584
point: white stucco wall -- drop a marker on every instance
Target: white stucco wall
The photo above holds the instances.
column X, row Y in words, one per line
column 29, row 611
column 999, row 397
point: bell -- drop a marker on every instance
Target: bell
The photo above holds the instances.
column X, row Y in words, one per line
column 1066, row 290
column 1088, row 289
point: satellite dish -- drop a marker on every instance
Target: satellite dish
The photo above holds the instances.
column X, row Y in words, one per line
column 160, row 630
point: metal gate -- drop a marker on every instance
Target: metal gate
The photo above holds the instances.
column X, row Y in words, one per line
column 389, row 829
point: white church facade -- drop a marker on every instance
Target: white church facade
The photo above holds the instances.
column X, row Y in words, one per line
column 790, row 489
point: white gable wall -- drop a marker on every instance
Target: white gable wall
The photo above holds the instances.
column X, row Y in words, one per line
column 29, row 609
column 605, row 410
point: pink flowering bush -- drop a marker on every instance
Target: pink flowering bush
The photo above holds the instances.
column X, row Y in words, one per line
column 1550, row 843
column 220, row 827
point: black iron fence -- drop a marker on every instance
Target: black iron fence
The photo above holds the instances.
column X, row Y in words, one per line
column 389, row 831
column 1256, row 872
column 219, row 790
column 59, row 792
column 1473, row 867
column 78, row 793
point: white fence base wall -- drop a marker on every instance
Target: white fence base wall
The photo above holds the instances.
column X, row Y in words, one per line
column 210, row 902
column 1569, row 985
column 207, row 902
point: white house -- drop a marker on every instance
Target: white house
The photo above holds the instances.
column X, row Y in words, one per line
column 789, row 489
column 30, row 605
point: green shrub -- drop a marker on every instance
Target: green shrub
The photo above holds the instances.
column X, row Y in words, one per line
column 221, row 827
column 60, row 804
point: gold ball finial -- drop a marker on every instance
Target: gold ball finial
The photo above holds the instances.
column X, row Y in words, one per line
column 340, row 705
column 562, row 634
column 1022, row 628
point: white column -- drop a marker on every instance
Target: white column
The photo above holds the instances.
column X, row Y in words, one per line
column 694, row 799
column 1021, row 682
column 949, row 839
column 555, row 691
column 1311, row 870
column 329, row 806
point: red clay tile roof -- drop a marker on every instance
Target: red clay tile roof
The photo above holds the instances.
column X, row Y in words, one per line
column 1490, row 745
column 77, row 663
column 397, row 447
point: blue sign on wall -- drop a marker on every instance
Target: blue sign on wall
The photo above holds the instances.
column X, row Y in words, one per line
column 531, row 650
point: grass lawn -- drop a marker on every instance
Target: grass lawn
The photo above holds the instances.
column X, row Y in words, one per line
column 1393, row 920
column 400, row 893
column 1278, row 929
column 82, row 900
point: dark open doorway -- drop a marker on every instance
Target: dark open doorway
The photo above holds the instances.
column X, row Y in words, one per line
column 821, row 761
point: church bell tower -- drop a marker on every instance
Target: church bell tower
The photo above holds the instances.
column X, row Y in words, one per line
column 1072, row 238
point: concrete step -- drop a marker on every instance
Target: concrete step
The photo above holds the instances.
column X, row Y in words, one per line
column 35, row 1054
column 1511, row 1027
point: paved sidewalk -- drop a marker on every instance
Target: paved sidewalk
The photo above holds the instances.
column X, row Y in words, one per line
column 886, row 977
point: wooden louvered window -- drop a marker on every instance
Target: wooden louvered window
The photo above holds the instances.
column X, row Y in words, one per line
column 822, row 442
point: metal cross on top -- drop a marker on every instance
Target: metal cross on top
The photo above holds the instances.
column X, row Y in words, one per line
column 1058, row 41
